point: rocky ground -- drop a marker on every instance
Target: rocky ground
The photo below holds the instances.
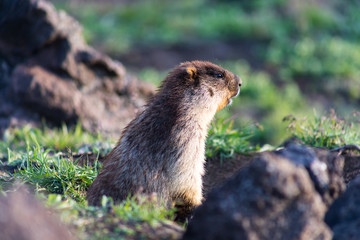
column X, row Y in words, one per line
column 49, row 73
column 296, row 192
column 282, row 194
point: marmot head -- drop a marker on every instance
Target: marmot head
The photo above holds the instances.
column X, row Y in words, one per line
column 203, row 83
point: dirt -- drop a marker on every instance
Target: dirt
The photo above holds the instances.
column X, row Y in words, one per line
column 219, row 170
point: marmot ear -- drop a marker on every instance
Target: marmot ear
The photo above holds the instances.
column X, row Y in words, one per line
column 192, row 72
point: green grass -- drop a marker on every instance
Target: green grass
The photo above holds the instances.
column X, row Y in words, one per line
column 328, row 131
column 111, row 221
column 52, row 171
column 17, row 141
column 224, row 141
column 326, row 66
column 61, row 139
column 55, row 174
column 161, row 22
column 39, row 153
column 61, row 181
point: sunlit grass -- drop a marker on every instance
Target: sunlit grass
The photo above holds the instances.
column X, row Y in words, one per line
column 56, row 139
column 328, row 131
column 62, row 182
column 55, row 174
column 225, row 141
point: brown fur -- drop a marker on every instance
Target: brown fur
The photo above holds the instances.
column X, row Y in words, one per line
column 163, row 149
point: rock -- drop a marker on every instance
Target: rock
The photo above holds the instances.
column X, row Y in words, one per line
column 348, row 231
column 352, row 167
column 343, row 215
column 44, row 92
column 48, row 72
column 23, row 217
column 325, row 169
column 272, row 198
column 335, row 168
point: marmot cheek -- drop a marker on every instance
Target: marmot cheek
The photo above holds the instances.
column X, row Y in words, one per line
column 223, row 104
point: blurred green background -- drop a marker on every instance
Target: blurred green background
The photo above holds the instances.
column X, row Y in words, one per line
column 294, row 57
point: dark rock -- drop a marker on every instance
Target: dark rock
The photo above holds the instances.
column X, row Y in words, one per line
column 343, row 215
column 325, row 169
column 50, row 71
column 45, row 93
column 23, row 217
column 352, row 167
column 306, row 157
column 272, row 198
column 348, row 231
column 335, row 166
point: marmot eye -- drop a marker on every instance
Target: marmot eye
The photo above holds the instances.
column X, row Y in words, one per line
column 219, row 75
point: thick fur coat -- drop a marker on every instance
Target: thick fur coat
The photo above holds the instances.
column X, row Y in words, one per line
column 162, row 150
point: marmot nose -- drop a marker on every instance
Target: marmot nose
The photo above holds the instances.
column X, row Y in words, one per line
column 239, row 80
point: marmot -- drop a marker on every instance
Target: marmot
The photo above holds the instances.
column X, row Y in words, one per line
column 162, row 150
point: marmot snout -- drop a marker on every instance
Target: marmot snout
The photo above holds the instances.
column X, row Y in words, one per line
column 163, row 149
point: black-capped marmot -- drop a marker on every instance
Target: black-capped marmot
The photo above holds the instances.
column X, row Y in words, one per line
column 162, row 150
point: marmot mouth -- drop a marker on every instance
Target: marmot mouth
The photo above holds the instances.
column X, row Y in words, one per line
column 236, row 94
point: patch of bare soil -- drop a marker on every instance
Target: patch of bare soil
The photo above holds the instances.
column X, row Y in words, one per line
column 219, row 170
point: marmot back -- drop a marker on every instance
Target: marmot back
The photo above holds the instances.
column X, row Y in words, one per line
column 162, row 150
